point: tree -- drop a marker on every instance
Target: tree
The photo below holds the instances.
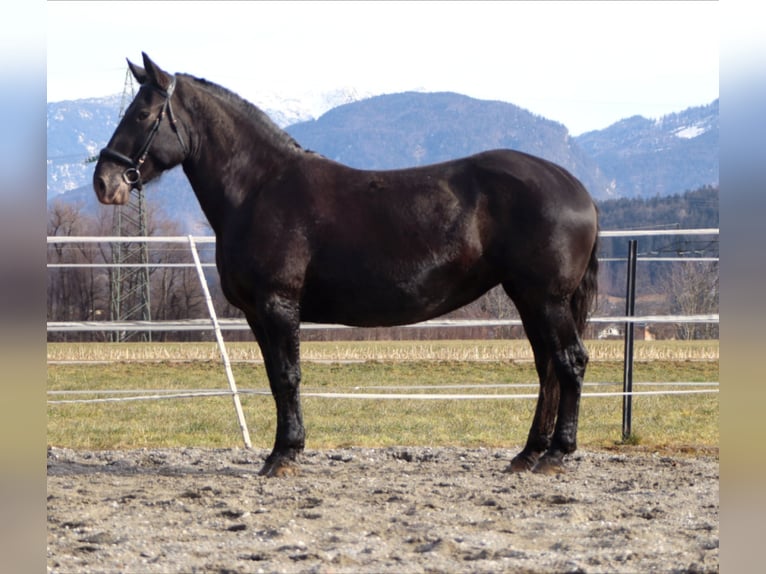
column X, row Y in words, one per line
column 83, row 293
column 693, row 290
column 75, row 293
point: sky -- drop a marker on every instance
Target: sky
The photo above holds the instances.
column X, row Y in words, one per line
column 583, row 64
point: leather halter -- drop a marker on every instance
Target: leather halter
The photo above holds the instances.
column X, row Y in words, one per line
column 132, row 175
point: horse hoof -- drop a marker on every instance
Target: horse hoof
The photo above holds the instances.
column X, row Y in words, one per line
column 549, row 466
column 520, row 464
column 279, row 469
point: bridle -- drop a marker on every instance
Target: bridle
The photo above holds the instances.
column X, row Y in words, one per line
column 132, row 175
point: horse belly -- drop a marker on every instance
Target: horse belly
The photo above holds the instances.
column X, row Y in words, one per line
column 363, row 299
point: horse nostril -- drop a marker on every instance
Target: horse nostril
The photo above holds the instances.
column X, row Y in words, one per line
column 99, row 183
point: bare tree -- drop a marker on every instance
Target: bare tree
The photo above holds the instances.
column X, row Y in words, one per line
column 75, row 293
column 83, row 293
column 693, row 290
column 176, row 292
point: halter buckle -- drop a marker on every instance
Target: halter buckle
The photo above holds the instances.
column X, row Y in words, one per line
column 132, row 177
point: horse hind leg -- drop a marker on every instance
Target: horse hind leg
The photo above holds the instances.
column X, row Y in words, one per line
column 560, row 359
column 569, row 360
column 543, row 424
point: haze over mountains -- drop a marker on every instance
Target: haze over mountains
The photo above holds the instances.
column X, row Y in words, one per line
column 635, row 157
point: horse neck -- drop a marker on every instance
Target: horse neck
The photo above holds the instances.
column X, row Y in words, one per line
column 233, row 155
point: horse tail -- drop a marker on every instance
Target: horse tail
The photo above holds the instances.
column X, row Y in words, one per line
column 584, row 296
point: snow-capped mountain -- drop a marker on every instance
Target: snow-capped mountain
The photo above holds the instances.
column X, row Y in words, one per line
column 644, row 157
column 78, row 129
column 306, row 106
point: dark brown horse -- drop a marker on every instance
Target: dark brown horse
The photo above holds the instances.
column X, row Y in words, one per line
column 302, row 238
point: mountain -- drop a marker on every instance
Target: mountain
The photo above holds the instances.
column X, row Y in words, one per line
column 636, row 157
column 415, row 128
column 645, row 158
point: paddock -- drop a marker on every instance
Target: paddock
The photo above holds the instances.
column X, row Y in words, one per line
column 398, row 509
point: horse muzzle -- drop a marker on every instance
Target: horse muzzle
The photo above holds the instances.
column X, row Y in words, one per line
column 111, row 188
column 132, row 173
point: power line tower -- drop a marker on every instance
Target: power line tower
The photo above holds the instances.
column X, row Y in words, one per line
column 129, row 285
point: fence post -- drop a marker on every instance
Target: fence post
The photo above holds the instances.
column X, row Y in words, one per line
column 221, row 345
column 630, row 311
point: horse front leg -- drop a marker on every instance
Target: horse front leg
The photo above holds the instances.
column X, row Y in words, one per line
column 276, row 326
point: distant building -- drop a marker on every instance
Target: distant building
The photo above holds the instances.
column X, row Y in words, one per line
column 610, row 332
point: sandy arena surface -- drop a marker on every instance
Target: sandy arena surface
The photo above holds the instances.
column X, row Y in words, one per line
column 360, row 510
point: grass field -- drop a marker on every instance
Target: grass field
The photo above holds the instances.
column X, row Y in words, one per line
column 447, row 367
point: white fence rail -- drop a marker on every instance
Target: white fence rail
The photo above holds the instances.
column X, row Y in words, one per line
column 241, row 324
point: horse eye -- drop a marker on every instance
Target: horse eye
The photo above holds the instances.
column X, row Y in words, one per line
column 142, row 115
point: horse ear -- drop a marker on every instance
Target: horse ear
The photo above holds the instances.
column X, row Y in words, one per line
column 138, row 73
column 160, row 78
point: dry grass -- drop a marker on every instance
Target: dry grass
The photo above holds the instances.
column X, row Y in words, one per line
column 404, row 351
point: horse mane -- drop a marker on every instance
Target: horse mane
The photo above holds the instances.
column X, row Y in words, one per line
column 259, row 118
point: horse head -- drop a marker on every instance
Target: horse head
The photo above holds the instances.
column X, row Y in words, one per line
column 148, row 140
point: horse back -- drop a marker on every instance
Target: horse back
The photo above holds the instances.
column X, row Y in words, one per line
column 496, row 201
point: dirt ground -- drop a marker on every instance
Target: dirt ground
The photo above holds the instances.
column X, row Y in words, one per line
column 379, row 510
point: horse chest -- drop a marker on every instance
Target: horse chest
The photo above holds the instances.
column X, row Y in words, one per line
column 247, row 276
